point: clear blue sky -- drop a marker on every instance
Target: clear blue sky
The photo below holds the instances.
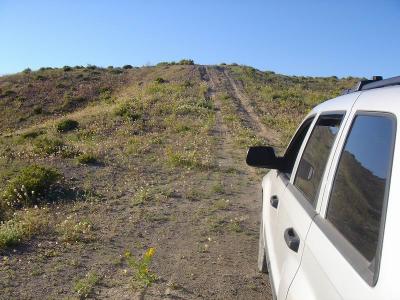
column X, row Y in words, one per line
column 321, row 38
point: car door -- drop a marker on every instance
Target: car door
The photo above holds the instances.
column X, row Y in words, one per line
column 297, row 200
column 273, row 187
column 342, row 255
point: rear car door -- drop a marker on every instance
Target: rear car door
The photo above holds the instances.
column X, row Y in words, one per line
column 342, row 256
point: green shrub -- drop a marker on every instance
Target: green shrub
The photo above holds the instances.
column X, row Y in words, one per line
column 30, row 186
column 67, row 125
column 23, row 225
column 110, row 67
column 31, row 134
column 159, row 80
column 87, row 159
column 60, row 86
column 104, row 90
column 46, row 146
column 40, row 77
column 26, row 71
column 91, row 67
column 187, row 84
column 186, row 62
column 127, row 67
column 37, row 110
column 67, row 68
column 71, row 101
column 205, row 104
column 116, row 71
column 126, row 110
column 9, row 93
column 163, row 63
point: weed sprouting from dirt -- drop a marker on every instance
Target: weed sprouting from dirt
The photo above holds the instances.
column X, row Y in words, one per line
column 143, row 277
column 73, row 230
column 235, row 225
column 143, row 195
column 191, row 159
column 85, row 286
column 220, row 204
column 218, row 188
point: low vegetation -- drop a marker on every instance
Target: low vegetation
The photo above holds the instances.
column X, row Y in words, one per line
column 142, row 277
column 159, row 80
column 73, row 230
column 85, row 286
column 22, row 226
column 29, row 187
column 87, row 159
column 127, row 110
column 67, row 125
column 50, row 146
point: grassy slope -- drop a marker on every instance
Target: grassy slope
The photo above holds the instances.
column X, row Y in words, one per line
column 282, row 101
column 149, row 142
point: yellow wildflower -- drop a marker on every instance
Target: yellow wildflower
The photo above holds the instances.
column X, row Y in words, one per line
column 150, row 252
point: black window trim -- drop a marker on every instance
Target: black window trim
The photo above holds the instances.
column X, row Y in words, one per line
column 310, row 118
column 294, row 189
column 359, row 263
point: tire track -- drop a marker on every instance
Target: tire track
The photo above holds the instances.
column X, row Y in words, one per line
column 226, row 148
column 252, row 117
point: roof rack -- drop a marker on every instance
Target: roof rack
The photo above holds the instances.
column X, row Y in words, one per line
column 376, row 82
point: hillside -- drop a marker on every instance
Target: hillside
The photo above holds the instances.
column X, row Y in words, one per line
column 100, row 168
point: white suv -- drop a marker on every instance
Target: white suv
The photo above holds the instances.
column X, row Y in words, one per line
column 331, row 207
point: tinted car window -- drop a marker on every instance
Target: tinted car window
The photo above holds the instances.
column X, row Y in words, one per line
column 294, row 147
column 357, row 197
column 315, row 156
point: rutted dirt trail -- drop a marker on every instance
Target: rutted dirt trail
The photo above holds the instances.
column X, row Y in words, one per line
column 255, row 121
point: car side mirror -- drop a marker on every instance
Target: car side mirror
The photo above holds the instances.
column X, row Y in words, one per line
column 264, row 157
